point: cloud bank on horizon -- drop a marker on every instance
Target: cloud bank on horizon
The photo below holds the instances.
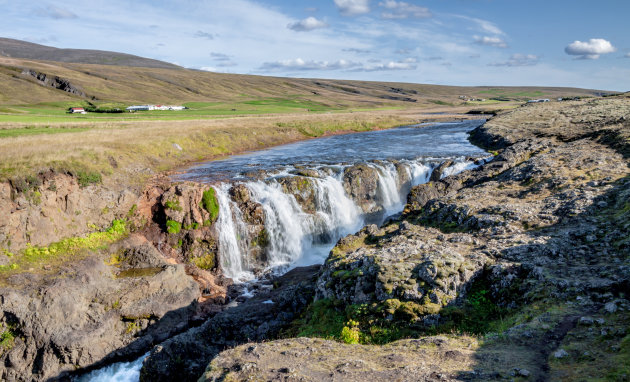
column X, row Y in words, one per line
column 456, row 42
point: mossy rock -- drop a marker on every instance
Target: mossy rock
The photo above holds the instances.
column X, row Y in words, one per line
column 210, row 203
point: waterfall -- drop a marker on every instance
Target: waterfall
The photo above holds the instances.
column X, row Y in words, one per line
column 285, row 222
column 419, row 172
column 231, row 230
column 119, row 372
column 460, row 165
column 389, row 187
column 295, row 237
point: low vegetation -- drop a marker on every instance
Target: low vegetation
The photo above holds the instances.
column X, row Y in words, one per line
column 133, row 151
column 210, row 203
column 391, row 320
column 37, row 258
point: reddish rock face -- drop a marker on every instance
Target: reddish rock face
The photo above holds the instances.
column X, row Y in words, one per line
column 56, row 208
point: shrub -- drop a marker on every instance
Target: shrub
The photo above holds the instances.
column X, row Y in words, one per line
column 350, row 333
column 206, row 262
column 85, row 178
column 173, row 227
column 6, row 339
column 173, row 205
column 210, row 203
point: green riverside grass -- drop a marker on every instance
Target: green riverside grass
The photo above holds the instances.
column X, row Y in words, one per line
column 38, row 257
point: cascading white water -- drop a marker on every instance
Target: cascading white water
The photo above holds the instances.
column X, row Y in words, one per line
column 119, row 372
column 298, row 238
column 231, row 230
column 285, row 222
column 389, row 187
column 419, row 172
column 341, row 214
column 459, row 166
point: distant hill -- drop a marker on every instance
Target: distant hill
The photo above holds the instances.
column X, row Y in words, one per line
column 32, row 74
column 28, row 50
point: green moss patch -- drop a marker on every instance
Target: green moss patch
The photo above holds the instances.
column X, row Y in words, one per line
column 173, row 227
column 207, row 262
column 210, row 203
column 67, row 249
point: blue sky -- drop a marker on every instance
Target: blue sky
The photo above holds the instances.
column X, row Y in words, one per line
column 453, row 42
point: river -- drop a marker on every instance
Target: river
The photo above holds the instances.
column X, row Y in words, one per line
column 400, row 158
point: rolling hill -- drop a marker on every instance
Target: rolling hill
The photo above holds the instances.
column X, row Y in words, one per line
column 34, row 74
column 23, row 49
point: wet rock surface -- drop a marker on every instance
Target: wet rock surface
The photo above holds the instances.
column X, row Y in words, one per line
column 540, row 233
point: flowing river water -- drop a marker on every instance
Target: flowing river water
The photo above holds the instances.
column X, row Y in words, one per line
column 402, row 157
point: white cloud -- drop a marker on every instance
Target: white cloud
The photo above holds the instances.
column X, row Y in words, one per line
column 590, row 50
column 627, row 55
column 483, row 25
column 353, row 7
column 300, row 64
column 403, row 10
column 408, row 64
column 206, row 35
column 308, row 24
column 518, row 60
column 56, row 13
column 356, row 50
column 219, row 56
column 490, row 41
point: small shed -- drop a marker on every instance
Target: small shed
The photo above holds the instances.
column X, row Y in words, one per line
column 75, row 110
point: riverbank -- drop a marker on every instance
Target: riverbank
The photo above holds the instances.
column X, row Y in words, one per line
column 518, row 269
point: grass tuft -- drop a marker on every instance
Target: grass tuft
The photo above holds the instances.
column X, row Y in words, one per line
column 173, row 227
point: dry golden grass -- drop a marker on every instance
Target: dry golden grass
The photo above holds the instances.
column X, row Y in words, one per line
column 135, row 150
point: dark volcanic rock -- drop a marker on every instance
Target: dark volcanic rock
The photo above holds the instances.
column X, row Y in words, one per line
column 184, row 357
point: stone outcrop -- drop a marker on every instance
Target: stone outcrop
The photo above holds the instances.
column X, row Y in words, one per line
column 92, row 312
column 361, row 184
column 54, row 82
column 184, row 357
column 54, row 206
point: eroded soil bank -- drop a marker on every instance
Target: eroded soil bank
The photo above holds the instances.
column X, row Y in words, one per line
column 519, row 268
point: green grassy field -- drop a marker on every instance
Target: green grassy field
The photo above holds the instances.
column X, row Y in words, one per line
column 55, row 112
column 513, row 94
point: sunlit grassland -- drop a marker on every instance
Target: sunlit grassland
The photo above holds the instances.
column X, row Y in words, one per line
column 136, row 149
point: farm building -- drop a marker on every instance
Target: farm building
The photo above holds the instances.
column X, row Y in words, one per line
column 154, row 107
column 77, row 110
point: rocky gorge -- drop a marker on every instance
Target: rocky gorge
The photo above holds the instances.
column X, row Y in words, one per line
column 487, row 274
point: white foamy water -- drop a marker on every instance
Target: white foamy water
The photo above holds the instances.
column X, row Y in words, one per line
column 232, row 257
column 117, row 372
